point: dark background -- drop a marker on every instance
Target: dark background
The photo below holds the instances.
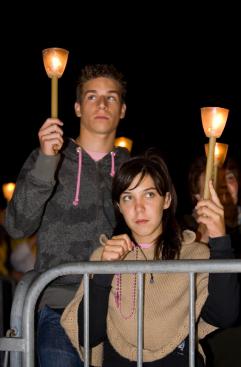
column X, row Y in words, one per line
column 173, row 68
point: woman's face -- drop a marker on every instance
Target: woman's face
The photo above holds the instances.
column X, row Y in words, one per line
column 227, row 190
column 142, row 208
column 227, row 186
column 232, row 185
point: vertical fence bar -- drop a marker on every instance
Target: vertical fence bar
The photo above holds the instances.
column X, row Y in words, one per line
column 86, row 320
column 28, row 356
column 191, row 319
column 17, row 312
column 140, row 321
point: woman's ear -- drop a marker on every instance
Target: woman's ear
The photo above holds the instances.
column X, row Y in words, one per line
column 77, row 109
column 118, row 207
column 167, row 200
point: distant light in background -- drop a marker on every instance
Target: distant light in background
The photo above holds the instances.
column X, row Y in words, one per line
column 124, row 142
column 8, row 189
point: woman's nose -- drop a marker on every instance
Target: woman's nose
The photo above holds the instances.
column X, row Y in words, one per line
column 139, row 205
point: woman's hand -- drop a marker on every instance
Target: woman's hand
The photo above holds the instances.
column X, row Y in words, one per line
column 211, row 213
column 116, row 248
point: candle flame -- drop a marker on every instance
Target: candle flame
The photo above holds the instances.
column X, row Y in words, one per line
column 8, row 189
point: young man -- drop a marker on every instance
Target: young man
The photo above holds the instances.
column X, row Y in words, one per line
column 64, row 193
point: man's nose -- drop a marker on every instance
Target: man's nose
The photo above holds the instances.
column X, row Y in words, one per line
column 102, row 102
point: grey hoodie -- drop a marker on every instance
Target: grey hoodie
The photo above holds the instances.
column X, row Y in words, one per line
column 67, row 200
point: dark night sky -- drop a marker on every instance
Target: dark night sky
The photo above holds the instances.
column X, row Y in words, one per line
column 170, row 76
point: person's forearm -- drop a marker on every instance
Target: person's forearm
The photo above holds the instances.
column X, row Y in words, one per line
column 99, row 290
column 222, row 306
column 24, row 212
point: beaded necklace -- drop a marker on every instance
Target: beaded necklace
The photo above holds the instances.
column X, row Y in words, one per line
column 118, row 290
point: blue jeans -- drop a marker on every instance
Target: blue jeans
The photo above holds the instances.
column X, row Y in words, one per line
column 53, row 345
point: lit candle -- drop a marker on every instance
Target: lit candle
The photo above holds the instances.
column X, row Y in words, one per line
column 220, row 153
column 55, row 60
column 213, row 120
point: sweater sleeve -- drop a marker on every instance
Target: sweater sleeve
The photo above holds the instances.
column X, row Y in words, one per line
column 99, row 290
column 222, row 305
column 34, row 187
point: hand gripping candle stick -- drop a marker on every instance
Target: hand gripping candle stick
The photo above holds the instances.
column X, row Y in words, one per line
column 55, row 60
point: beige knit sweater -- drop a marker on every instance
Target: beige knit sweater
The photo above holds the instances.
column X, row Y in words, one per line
column 166, row 309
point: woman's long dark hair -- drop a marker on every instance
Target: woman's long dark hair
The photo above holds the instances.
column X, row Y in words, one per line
column 168, row 244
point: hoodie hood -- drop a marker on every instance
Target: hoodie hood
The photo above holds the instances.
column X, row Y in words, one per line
column 111, row 159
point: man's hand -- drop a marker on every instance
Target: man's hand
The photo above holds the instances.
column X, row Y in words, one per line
column 51, row 136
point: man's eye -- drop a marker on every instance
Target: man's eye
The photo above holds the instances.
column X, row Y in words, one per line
column 91, row 97
column 111, row 98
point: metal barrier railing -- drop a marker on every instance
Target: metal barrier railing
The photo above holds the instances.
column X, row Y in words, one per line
column 24, row 342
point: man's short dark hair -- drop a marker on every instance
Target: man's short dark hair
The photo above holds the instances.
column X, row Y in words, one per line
column 97, row 71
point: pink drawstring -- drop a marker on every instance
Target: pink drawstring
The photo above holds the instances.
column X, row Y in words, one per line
column 76, row 199
column 112, row 173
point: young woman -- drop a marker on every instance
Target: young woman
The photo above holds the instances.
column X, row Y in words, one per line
column 145, row 202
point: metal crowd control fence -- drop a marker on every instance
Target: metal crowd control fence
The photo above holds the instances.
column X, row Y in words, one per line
column 22, row 341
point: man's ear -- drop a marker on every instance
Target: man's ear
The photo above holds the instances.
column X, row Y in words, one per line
column 167, row 200
column 123, row 111
column 77, row 109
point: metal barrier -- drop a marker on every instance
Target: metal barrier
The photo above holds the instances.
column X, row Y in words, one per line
column 24, row 342
column 7, row 287
column 17, row 312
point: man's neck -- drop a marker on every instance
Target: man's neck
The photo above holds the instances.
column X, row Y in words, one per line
column 96, row 142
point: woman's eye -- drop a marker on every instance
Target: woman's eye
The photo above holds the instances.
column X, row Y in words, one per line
column 150, row 194
column 126, row 197
column 230, row 177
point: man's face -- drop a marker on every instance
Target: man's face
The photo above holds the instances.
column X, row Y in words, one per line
column 101, row 107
